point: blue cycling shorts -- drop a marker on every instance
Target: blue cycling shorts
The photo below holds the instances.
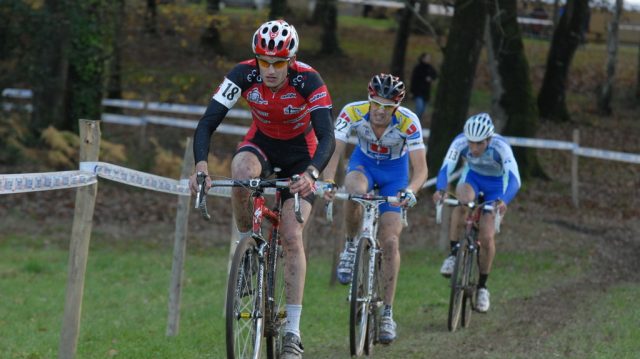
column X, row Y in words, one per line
column 493, row 187
column 390, row 176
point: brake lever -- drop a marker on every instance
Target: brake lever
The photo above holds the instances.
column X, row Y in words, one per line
column 328, row 210
column 296, row 201
column 201, row 194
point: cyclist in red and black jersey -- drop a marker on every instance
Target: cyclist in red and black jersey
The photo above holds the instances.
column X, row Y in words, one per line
column 292, row 129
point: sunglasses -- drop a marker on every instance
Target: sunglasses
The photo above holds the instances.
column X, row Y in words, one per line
column 389, row 107
column 277, row 64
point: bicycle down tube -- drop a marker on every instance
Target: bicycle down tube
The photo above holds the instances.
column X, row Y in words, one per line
column 255, row 288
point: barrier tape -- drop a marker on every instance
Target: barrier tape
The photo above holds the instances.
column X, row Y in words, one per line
column 244, row 114
column 33, row 182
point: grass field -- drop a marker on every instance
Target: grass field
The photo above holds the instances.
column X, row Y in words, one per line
column 125, row 304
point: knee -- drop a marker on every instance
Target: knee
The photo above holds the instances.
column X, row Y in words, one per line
column 291, row 240
column 391, row 244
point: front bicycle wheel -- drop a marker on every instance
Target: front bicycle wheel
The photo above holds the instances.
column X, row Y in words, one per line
column 374, row 308
column 360, row 297
column 457, row 288
column 245, row 307
column 471, row 281
column 276, row 301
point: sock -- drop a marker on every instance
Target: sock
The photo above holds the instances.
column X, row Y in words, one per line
column 244, row 234
column 387, row 311
column 482, row 282
column 293, row 319
column 454, row 247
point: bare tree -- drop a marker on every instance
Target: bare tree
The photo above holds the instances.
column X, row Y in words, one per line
column 210, row 39
column 329, row 16
column 50, row 67
column 457, row 73
column 402, row 39
column 114, row 85
column 151, row 17
column 279, row 9
column 566, row 38
column 515, row 100
column 604, row 100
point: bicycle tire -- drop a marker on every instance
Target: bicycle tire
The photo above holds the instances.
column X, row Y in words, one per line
column 457, row 289
column 275, row 307
column 374, row 315
column 243, row 327
column 471, row 275
column 359, row 303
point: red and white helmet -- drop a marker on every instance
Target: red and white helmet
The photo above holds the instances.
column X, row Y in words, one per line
column 275, row 38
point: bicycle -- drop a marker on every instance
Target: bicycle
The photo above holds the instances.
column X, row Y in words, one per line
column 464, row 280
column 255, row 288
column 365, row 291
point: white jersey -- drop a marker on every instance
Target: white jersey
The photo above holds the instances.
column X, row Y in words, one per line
column 403, row 134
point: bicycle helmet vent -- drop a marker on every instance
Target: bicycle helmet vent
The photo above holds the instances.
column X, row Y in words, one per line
column 478, row 127
column 275, row 38
column 387, row 86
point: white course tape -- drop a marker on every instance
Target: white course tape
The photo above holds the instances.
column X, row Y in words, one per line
column 607, row 155
column 34, row 182
column 137, row 178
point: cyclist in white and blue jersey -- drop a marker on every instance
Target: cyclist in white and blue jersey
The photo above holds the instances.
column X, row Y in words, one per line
column 389, row 140
column 490, row 168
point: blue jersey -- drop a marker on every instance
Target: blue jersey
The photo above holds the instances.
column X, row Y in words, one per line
column 496, row 162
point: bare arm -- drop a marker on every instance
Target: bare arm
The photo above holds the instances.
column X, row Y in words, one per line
column 329, row 172
column 418, row 159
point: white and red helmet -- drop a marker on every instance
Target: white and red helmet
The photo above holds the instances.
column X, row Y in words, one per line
column 275, row 38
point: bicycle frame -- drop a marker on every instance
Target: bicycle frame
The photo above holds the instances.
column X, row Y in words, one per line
column 364, row 294
column 463, row 285
column 260, row 287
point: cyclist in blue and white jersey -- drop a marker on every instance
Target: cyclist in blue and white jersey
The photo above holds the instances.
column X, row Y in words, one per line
column 490, row 168
column 389, row 139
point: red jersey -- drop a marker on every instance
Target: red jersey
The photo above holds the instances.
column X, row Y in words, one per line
column 284, row 114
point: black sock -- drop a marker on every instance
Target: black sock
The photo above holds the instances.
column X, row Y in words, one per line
column 388, row 311
column 454, row 247
column 482, row 282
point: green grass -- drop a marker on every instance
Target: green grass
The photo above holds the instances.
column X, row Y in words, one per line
column 124, row 310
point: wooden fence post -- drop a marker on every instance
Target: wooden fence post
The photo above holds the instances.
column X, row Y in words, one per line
column 79, row 244
column 574, row 170
column 179, row 246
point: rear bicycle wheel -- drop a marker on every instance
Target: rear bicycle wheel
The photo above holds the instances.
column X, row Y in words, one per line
column 245, row 307
column 276, row 301
column 457, row 288
column 359, row 303
column 471, row 281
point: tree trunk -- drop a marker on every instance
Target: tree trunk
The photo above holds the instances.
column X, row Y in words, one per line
column 604, row 100
column 516, row 100
column 114, row 87
column 49, row 73
column 278, row 10
column 91, row 30
column 566, row 38
column 210, row 40
column 456, row 78
column 330, row 45
column 638, row 76
column 402, row 39
column 150, row 18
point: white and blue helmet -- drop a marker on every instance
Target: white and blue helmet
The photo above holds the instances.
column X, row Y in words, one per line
column 478, row 127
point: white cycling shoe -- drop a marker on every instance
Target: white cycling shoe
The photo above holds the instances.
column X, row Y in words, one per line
column 482, row 300
column 447, row 266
